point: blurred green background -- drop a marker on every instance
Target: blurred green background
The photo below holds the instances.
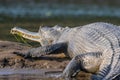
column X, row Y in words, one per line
column 30, row 14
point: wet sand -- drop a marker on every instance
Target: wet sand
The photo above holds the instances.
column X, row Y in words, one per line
column 42, row 68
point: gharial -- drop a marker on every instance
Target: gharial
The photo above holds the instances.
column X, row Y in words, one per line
column 93, row 48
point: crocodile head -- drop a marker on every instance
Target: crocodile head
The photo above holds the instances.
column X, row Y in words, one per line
column 50, row 34
column 45, row 35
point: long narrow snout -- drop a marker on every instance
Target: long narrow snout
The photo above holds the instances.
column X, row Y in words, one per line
column 34, row 36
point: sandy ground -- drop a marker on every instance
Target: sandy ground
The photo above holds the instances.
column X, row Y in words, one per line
column 10, row 60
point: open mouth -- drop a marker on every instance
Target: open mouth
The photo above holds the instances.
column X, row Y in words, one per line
column 33, row 36
column 23, row 34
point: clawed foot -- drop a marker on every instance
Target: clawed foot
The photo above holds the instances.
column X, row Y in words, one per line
column 67, row 78
column 25, row 55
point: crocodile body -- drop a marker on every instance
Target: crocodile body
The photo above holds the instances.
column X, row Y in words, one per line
column 93, row 48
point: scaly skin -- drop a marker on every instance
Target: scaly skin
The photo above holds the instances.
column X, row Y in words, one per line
column 93, row 48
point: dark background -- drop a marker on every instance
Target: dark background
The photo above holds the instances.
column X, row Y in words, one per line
column 30, row 14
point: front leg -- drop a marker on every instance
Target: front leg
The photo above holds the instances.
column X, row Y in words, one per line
column 45, row 50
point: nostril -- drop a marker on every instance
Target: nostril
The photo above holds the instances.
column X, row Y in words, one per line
column 11, row 31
